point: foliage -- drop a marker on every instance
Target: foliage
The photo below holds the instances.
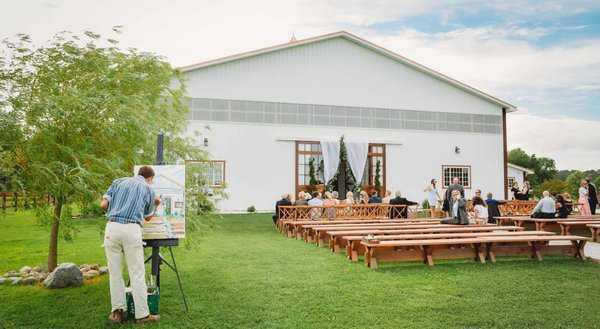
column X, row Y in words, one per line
column 221, row 275
column 311, row 174
column 544, row 168
column 425, row 204
column 351, row 183
column 251, row 209
column 551, row 185
column 378, row 177
column 573, row 183
column 81, row 114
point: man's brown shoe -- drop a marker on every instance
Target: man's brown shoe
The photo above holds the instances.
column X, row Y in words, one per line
column 149, row 318
column 116, row 316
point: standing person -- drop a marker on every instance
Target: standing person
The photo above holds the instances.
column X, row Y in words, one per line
column 592, row 195
column 455, row 187
column 128, row 202
column 525, row 191
column 286, row 200
column 432, row 196
column 584, row 209
column 458, row 208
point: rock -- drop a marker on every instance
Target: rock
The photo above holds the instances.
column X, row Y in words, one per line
column 103, row 270
column 85, row 268
column 63, row 276
column 42, row 268
column 25, row 269
column 95, row 267
column 11, row 274
column 16, row 281
column 87, row 276
column 28, row 280
column 92, row 273
column 2, row 280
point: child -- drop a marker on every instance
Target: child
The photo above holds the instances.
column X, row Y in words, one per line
column 480, row 212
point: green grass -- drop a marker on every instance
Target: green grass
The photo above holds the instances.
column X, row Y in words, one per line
column 245, row 275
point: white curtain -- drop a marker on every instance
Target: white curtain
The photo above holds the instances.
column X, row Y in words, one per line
column 357, row 157
column 331, row 158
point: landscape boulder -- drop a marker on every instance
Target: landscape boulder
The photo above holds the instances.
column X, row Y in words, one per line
column 25, row 269
column 64, row 275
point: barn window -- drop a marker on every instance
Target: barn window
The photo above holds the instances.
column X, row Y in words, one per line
column 463, row 173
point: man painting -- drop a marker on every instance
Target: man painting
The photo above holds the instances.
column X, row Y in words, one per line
column 128, row 202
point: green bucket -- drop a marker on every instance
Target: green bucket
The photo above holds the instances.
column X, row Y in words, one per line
column 153, row 298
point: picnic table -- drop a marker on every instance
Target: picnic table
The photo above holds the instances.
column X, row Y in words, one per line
column 566, row 225
column 595, row 228
column 479, row 248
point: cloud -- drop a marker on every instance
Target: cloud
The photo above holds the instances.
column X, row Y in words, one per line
column 572, row 143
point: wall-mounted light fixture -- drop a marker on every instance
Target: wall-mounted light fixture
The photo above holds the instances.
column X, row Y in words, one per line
column 456, row 148
column 205, row 141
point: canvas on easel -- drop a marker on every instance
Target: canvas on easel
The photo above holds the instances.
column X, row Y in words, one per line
column 169, row 216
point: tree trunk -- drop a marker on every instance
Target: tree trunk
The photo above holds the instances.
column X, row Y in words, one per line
column 53, row 246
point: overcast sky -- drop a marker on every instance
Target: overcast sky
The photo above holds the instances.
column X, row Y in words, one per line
column 542, row 56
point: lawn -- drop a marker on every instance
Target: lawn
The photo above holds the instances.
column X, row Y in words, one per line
column 243, row 274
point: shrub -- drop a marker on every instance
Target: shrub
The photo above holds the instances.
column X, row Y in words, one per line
column 251, row 209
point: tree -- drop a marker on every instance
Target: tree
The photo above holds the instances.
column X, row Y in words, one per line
column 573, row 183
column 311, row 174
column 84, row 114
column 551, row 185
column 544, row 168
column 378, row 177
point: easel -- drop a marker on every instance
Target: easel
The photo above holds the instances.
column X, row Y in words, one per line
column 155, row 244
column 157, row 259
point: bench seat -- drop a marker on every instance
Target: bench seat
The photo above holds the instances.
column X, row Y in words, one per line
column 479, row 249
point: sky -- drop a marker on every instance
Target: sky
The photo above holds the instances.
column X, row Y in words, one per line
column 542, row 56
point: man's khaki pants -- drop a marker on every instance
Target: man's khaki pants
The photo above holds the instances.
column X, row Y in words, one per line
column 119, row 240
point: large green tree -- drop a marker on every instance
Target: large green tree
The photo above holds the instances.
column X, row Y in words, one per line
column 81, row 112
column 544, row 168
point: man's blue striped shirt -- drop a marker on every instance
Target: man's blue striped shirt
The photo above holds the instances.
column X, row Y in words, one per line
column 130, row 200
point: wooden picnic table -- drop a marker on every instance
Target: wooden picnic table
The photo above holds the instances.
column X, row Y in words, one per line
column 475, row 248
column 322, row 235
column 337, row 240
column 355, row 248
column 566, row 225
column 292, row 228
column 540, row 223
column 595, row 228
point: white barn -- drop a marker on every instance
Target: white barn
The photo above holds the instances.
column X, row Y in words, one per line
column 268, row 110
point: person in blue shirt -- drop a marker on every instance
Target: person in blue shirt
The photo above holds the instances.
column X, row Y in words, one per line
column 128, row 202
column 374, row 198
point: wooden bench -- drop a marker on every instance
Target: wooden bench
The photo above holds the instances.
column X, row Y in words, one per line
column 321, row 235
column 296, row 228
column 354, row 247
column 475, row 248
column 566, row 225
column 595, row 228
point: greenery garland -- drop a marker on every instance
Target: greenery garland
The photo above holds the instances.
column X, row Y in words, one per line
column 350, row 179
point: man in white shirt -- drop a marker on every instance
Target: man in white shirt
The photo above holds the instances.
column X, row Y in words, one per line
column 546, row 207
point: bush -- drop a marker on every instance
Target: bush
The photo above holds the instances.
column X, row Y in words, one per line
column 425, row 204
column 251, row 209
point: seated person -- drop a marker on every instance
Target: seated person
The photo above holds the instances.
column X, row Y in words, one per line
column 458, row 209
column 386, row 199
column 480, row 211
column 568, row 201
column 315, row 201
column 301, row 201
column 546, row 207
column 285, row 201
column 374, row 198
column 401, row 201
column 561, row 207
column 363, row 198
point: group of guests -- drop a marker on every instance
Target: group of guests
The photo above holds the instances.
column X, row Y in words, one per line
column 329, row 199
column 520, row 194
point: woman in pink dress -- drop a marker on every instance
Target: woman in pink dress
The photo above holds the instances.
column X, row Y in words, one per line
column 584, row 208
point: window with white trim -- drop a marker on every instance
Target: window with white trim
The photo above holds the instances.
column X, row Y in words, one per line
column 511, row 181
column 213, row 172
column 463, row 173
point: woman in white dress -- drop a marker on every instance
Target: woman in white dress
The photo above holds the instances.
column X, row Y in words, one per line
column 432, row 196
column 584, row 208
